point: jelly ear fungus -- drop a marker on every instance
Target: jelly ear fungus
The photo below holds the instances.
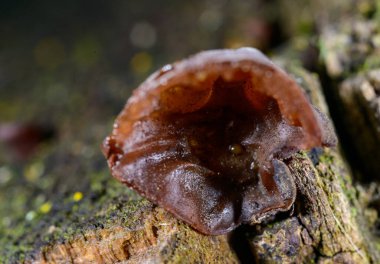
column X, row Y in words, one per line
column 206, row 139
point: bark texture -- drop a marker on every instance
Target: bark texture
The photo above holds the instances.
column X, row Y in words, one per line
column 147, row 235
column 350, row 51
column 328, row 223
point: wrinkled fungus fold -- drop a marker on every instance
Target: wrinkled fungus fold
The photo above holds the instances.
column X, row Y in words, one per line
column 206, row 139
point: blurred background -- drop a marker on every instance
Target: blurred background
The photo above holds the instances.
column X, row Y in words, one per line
column 68, row 67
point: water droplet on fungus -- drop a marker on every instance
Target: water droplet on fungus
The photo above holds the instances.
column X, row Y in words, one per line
column 236, row 149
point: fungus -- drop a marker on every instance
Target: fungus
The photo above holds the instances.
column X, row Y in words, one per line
column 206, row 139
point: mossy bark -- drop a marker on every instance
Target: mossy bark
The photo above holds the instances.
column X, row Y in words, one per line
column 350, row 53
column 328, row 223
column 147, row 235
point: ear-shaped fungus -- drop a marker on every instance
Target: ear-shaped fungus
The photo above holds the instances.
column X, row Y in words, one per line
column 205, row 138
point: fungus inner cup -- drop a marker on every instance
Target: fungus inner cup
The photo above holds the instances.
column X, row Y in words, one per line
column 231, row 135
column 205, row 139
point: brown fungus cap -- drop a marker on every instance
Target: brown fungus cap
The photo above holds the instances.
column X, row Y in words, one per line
column 205, row 138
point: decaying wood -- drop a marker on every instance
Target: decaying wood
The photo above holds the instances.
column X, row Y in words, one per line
column 328, row 224
column 150, row 236
column 350, row 53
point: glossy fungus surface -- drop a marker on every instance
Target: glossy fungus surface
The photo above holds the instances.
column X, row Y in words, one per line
column 206, row 137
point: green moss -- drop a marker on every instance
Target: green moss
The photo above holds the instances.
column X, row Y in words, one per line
column 370, row 63
column 326, row 158
column 378, row 246
column 62, row 218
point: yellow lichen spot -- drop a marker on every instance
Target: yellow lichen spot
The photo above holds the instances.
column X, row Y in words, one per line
column 77, row 196
column 141, row 63
column 236, row 149
column 45, row 207
column 49, row 53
